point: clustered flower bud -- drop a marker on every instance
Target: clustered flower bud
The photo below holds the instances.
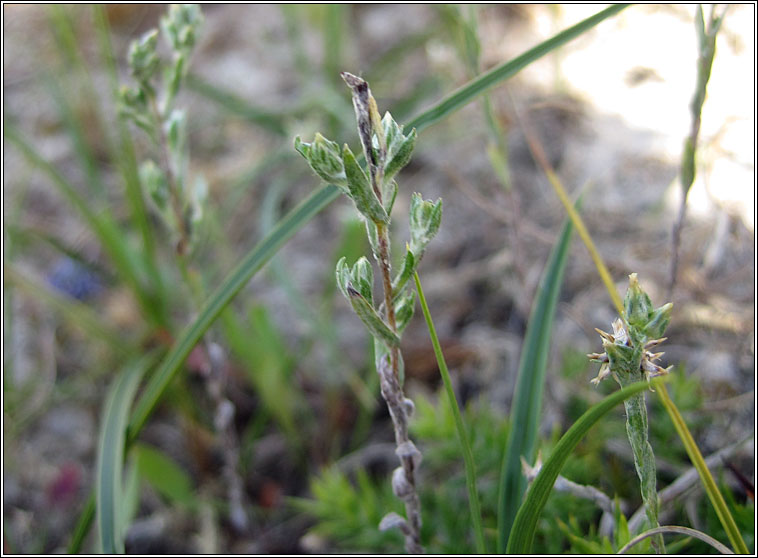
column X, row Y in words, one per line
column 627, row 349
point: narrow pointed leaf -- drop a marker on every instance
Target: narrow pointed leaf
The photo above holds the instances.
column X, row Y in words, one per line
column 406, row 272
column 396, row 161
column 468, row 455
column 525, row 525
column 164, row 474
column 371, row 319
column 530, row 383
column 110, row 456
column 360, row 189
column 404, row 308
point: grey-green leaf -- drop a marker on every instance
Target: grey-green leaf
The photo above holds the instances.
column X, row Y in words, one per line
column 362, row 276
column 404, row 308
column 373, row 238
column 342, row 273
column 637, row 304
column 325, row 158
column 360, row 189
column 406, row 272
column 154, row 182
column 401, row 157
column 180, row 26
column 143, row 59
column 389, row 194
column 376, row 326
column 359, row 278
column 659, row 321
column 425, row 217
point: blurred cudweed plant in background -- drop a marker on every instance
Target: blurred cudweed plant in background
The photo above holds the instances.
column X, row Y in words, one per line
column 387, row 150
column 179, row 204
column 151, row 108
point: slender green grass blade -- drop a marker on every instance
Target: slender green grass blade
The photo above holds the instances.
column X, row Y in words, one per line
column 110, row 456
column 234, row 282
column 530, row 383
column 130, row 497
column 82, row 525
column 714, row 495
column 460, row 97
column 468, row 455
column 525, row 525
column 63, row 33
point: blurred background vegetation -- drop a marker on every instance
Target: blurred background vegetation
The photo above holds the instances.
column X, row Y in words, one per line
column 91, row 280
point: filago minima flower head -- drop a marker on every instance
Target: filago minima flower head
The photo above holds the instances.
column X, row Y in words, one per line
column 627, row 349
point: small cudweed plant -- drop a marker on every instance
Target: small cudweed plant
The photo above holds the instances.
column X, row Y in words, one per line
column 628, row 358
column 151, row 108
column 150, row 105
column 387, row 150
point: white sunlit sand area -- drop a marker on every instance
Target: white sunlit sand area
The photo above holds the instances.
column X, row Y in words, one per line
column 648, row 84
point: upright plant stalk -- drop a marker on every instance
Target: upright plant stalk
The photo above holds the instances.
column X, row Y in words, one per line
column 386, row 150
column 644, row 458
column 180, row 205
column 628, row 359
column 706, row 51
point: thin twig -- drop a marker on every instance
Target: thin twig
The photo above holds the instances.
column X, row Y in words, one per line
column 675, row 529
column 562, row 484
column 706, row 51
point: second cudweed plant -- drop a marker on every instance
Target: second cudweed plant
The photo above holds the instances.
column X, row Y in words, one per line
column 386, row 150
column 628, row 358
